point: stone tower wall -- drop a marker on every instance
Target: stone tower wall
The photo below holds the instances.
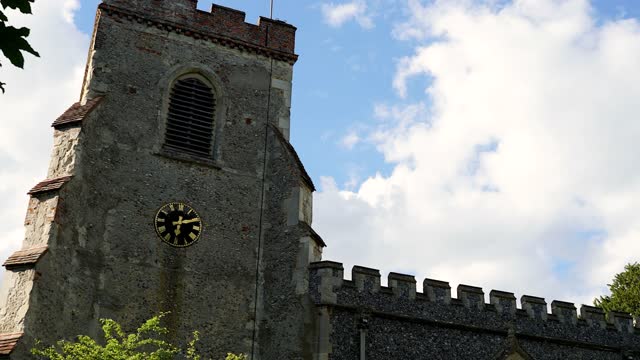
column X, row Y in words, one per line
column 242, row 284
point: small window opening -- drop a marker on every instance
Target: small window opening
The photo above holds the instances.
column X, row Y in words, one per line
column 190, row 119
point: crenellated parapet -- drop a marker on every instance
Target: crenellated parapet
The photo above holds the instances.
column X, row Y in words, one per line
column 221, row 25
column 327, row 276
column 468, row 311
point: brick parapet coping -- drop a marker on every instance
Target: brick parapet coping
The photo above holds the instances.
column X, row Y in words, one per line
column 271, row 38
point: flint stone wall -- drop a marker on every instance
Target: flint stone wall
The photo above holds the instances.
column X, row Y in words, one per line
column 359, row 317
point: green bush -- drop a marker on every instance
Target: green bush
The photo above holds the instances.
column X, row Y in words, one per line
column 143, row 344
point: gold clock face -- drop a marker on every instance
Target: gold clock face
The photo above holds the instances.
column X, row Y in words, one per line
column 178, row 224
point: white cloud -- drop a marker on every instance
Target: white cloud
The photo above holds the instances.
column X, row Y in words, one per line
column 35, row 97
column 337, row 14
column 350, row 140
column 69, row 9
column 522, row 175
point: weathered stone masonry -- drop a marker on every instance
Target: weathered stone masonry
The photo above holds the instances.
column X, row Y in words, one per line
column 90, row 249
column 254, row 282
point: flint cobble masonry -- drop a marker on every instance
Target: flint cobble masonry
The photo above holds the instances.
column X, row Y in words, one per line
column 359, row 318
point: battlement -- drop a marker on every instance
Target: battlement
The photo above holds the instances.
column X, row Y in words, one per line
column 468, row 310
column 223, row 25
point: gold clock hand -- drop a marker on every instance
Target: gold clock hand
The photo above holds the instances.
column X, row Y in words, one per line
column 191, row 220
column 179, row 222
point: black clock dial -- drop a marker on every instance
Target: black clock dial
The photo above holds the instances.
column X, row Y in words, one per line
column 177, row 224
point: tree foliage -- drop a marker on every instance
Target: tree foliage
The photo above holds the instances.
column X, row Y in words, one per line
column 13, row 41
column 144, row 344
column 625, row 292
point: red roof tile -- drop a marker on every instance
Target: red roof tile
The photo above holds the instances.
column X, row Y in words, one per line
column 25, row 257
column 8, row 342
column 49, row 185
column 77, row 112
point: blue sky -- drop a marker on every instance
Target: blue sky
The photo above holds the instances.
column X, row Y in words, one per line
column 342, row 72
column 481, row 142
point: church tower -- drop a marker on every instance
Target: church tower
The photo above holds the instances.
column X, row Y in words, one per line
column 172, row 188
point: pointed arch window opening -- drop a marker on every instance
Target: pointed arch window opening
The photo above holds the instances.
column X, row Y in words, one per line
column 191, row 117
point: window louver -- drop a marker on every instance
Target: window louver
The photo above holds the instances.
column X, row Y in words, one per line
column 190, row 118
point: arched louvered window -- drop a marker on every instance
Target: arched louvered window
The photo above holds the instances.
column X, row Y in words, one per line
column 190, row 119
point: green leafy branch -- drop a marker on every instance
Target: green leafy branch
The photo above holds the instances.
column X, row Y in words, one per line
column 625, row 292
column 13, row 41
column 143, row 344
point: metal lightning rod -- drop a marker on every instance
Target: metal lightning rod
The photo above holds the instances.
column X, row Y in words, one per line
column 262, row 199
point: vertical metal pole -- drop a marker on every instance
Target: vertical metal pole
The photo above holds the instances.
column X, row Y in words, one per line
column 364, row 325
column 363, row 344
column 262, row 200
column 271, row 10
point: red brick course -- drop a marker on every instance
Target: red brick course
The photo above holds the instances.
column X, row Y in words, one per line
column 225, row 26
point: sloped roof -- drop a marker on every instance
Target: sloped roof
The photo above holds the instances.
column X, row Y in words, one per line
column 303, row 172
column 76, row 113
column 312, row 233
column 25, row 257
column 49, row 185
column 8, row 342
